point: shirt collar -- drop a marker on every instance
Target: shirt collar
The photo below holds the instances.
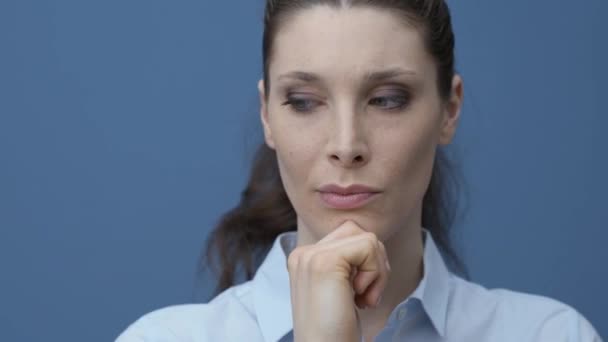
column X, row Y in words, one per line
column 271, row 290
column 433, row 290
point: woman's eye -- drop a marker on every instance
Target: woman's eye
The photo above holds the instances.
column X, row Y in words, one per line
column 390, row 102
column 300, row 104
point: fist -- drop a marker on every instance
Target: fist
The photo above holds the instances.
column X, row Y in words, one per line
column 346, row 270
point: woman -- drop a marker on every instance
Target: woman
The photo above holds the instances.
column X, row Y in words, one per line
column 357, row 99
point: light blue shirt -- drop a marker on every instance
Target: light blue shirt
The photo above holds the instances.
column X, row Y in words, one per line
column 444, row 307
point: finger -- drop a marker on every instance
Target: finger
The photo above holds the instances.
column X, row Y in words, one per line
column 365, row 300
column 360, row 251
column 346, row 229
column 364, row 261
column 364, row 253
column 365, row 278
column 370, row 288
column 353, row 274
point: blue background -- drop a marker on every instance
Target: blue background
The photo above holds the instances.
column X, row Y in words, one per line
column 127, row 128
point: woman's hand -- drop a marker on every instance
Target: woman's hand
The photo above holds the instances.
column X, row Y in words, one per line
column 345, row 269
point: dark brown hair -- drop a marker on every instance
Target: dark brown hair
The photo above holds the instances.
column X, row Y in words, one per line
column 244, row 234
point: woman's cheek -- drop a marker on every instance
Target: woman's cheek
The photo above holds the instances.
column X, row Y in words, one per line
column 293, row 172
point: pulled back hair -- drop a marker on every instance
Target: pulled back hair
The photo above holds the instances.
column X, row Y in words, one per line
column 245, row 233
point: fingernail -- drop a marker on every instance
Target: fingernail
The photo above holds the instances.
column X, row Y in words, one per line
column 388, row 265
column 378, row 301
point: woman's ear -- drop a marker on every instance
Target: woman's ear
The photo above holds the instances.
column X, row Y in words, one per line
column 451, row 112
column 264, row 115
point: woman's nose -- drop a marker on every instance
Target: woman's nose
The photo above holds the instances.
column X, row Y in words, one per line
column 348, row 146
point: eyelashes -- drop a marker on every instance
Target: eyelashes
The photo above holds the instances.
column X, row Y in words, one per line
column 393, row 102
column 299, row 104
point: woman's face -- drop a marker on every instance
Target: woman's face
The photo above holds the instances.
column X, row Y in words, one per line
column 353, row 100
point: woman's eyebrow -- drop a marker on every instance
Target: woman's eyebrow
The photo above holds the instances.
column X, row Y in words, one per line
column 370, row 76
column 301, row 76
column 381, row 75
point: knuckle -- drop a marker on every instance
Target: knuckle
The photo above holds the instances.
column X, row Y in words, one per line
column 292, row 263
column 317, row 263
column 293, row 259
column 307, row 258
column 370, row 236
column 371, row 240
column 370, row 247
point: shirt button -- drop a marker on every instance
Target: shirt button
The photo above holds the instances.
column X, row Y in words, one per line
column 401, row 314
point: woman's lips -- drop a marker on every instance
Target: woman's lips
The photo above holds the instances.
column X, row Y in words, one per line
column 350, row 201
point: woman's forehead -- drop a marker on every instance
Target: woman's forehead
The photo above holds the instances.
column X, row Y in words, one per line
column 347, row 42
